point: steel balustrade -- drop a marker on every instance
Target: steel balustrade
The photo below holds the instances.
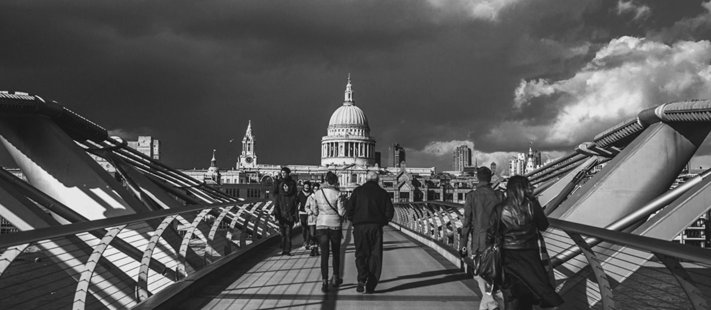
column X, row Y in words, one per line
column 40, row 266
column 624, row 271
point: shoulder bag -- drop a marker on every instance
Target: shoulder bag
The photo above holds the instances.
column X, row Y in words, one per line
column 340, row 218
column 488, row 264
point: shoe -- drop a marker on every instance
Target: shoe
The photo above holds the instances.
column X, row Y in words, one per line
column 360, row 287
column 369, row 290
column 337, row 282
column 324, row 286
column 287, row 253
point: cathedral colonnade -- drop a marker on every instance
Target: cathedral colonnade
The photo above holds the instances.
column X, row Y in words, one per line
column 364, row 149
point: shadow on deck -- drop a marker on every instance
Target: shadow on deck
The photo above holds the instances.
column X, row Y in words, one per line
column 413, row 277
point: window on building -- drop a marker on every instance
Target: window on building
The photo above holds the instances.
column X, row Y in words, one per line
column 460, row 196
column 405, row 195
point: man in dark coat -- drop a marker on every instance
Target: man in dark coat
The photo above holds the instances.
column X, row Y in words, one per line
column 285, row 209
column 369, row 209
column 478, row 207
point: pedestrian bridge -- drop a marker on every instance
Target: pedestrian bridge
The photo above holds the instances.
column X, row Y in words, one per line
column 151, row 237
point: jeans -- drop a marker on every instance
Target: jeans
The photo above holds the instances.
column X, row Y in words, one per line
column 285, row 230
column 330, row 238
column 305, row 231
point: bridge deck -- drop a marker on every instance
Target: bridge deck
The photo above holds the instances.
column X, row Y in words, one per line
column 413, row 277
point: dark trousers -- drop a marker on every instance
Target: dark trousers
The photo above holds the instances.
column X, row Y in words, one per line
column 368, row 239
column 285, row 230
column 330, row 238
column 314, row 238
column 305, row 231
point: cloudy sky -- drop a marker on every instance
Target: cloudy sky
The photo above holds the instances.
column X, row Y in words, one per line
column 430, row 75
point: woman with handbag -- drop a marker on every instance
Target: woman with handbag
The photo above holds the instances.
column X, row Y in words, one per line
column 328, row 208
column 521, row 218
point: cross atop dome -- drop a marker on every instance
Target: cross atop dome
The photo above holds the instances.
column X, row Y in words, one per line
column 349, row 93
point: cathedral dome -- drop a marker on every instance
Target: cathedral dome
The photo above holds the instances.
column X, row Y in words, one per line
column 348, row 119
column 347, row 141
column 348, row 115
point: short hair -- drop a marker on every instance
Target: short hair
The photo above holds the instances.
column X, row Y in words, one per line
column 306, row 183
column 286, row 169
column 372, row 176
column 331, row 178
column 483, row 174
column 316, row 184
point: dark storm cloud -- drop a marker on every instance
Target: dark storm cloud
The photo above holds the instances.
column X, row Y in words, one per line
column 193, row 73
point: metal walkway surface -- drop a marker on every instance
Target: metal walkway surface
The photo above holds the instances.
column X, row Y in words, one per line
column 414, row 277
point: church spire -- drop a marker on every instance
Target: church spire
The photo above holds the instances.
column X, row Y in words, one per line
column 349, row 92
column 213, row 162
column 249, row 129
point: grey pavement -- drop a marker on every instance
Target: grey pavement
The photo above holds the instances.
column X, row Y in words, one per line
column 413, row 277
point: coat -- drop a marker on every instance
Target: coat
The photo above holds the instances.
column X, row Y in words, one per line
column 285, row 202
column 370, row 204
column 478, row 207
column 320, row 205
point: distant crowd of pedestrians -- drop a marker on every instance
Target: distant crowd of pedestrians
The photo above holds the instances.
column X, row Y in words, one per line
column 516, row 213
column 322, row 210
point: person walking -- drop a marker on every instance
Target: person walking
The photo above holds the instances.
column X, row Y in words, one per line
column 302, row 198
column 521, row 217
column 328, row 208
column 369, row 209
column 311, row 222
column 285, row 209
column 478, row 207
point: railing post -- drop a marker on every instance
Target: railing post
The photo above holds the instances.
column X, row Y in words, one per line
column 83, row 286
column 142, row 283
column 606, row 294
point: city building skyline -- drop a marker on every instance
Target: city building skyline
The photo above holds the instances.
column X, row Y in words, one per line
column 461, row 158
column 524, row 163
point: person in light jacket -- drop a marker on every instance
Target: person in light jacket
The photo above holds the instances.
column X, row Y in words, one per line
column 327, row 205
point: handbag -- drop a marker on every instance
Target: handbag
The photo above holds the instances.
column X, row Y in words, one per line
column 488, row 263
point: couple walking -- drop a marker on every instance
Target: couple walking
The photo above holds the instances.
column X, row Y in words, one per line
column 520, row 219
column 369, row 209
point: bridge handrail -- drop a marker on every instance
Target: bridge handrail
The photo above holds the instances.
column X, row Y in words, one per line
column 115, row 256
column 602, row 253
column 688, row 253
column 22, row 237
